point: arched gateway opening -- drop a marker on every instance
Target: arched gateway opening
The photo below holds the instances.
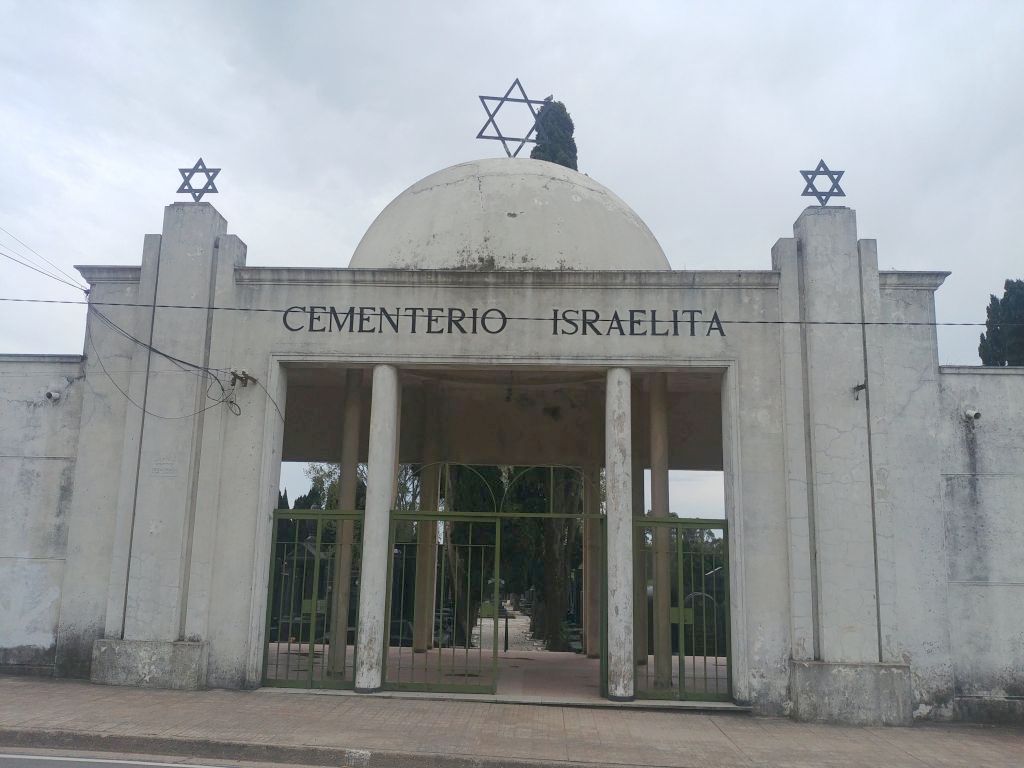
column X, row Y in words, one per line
column 496, row 580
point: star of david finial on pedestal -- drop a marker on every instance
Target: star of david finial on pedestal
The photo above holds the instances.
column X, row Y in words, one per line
column 508, row 98
column 810, row 190
column 199, row 168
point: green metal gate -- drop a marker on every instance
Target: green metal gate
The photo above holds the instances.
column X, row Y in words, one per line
column 457, row 552
column 312, row 599
column 458, row 651
column 683, row 614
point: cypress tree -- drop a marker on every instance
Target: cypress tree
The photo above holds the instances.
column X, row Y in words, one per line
column 554, row 135
column 1003, row 342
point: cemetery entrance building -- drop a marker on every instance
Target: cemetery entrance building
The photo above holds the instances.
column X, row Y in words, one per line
column 506, row 380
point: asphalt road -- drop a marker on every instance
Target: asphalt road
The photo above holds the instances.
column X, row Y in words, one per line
column 57, row 761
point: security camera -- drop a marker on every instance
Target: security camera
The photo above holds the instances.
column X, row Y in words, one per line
column 971, row 415
column 53, row 396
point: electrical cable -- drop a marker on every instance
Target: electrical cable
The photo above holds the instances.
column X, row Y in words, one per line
column 723, row 320
column 185, row 366
column 271, row 397
column 236, row 409
column 40, row 271
column 14, row 237
column 176, row 360
column 199, row 371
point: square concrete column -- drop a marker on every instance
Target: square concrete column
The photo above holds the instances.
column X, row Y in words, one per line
column 426, row 561
column 592, row 562
column 348, row 483
column 426, row 530
column 662, row 535
column 619, row 521
column 380, row 494
column 639, row 510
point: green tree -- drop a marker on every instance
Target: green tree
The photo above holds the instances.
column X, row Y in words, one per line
column 282, row 500
column 554, row 135
column 470, row 490
column 540, row 550
column 324, row 478
column 1003, row 341
column 312, row 500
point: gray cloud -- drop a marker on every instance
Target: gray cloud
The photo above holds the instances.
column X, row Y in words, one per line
column 699, row 115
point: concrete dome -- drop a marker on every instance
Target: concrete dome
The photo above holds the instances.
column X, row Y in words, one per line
column 508, row 214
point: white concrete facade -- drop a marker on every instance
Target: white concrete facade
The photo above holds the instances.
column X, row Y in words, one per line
column 874, row 530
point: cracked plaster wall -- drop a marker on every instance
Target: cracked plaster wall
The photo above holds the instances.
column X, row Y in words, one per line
column 982, row 497
column 907, row 438
column 912, row 410
column 38, row 445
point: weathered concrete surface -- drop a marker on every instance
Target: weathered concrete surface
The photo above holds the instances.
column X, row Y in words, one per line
column 983, row 507
column 908, row 438
column 161, row 504
column 112, row 425
column 550, row 424
column 841, row 500
column 878, row 527
column 359, row 730
column 150, row 664
column 618, row 460
column 40, row 409
column 382, row 469
column 854, row 694
column 527, row 214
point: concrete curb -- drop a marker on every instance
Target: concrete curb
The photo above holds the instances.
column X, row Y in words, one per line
column 643, row 705
column 268, row 753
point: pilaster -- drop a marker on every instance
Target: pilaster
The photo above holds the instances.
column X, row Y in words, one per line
column 831, row 498
column 151, row 565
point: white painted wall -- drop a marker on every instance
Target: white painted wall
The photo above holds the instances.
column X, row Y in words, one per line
column 983, row 508
column 38, row 446
column 915, row 559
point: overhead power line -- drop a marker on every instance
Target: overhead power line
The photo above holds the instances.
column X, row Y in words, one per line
column 43, row 272
column 21, row 242
column 200, row 371
column 235, row 408
column 547, row 319
column 227, row 392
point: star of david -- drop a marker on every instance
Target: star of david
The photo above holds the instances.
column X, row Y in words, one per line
column 200, row 168
column 812, row 191
column 531, row 135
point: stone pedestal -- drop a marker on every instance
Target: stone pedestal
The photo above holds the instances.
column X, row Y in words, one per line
column 852, row 694
column 150, row 663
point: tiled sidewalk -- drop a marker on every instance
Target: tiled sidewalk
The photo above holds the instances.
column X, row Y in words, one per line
column 281, row 726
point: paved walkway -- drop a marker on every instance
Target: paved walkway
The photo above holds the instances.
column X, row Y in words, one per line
column 281, row 726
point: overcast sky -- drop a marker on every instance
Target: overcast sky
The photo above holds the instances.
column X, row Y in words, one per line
column 699, row 115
